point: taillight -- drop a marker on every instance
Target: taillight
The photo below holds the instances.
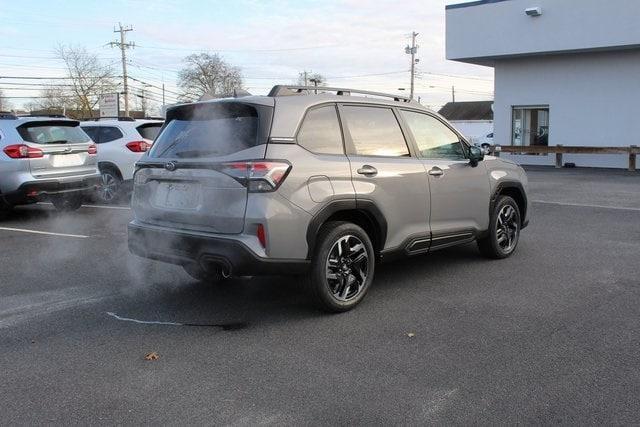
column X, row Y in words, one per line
column 93, row 149
column 258, row 176
column 138, row 146
column 262, row 236
column 22, row 151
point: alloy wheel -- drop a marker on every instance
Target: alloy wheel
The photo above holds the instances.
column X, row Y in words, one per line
column 108, row 187
column 346, row 268
column 507, row 228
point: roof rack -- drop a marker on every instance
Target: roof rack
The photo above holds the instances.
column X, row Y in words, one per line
column 286, row 90
column 119, row 118
column 53, row 115
column 7, row 115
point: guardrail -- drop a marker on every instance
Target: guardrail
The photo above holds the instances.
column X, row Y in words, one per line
column 632, row 151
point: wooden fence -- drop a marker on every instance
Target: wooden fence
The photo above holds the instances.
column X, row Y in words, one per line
column 632, row 151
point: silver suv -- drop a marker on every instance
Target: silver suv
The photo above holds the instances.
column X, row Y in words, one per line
column 324, row 185
column 47, row 158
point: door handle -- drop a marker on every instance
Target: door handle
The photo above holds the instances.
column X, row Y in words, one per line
column 436, row 171
column 367, row 170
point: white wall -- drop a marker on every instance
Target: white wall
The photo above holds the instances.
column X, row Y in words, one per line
column 499, row 29
column 593, row 100
column 474, row 130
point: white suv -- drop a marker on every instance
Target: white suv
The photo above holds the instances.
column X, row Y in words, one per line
column 122, row 141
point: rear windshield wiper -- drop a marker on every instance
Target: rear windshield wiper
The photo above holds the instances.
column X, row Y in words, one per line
column 58, row 141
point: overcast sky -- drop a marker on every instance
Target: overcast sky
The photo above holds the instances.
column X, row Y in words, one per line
column 271, row 41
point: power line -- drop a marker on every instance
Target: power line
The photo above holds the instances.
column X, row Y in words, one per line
column 243, row 50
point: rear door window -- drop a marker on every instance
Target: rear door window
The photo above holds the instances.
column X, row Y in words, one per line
column 374, row 131
column 208, row 130
column 53, row 132
column 320, row 132
column 93, row 132
column 149, row 130
column 110, row 133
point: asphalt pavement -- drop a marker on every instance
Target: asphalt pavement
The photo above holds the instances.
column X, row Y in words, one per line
column 550, row 335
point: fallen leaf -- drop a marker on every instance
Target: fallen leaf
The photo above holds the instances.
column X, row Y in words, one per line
column 411, row 334
column 152, row 356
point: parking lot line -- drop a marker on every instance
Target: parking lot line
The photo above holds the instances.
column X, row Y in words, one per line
column 124, row 208
column 583, row 205
column 48, row 233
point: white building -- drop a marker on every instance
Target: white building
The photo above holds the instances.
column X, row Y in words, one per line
column 566, row 71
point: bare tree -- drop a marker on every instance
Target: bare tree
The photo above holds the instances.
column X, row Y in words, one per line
column 4, row 104
column 88, row 79
column 208, row 74
column 54, row 98
column 311, row 79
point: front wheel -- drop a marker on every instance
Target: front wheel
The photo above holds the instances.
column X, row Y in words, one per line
column 67, row 202
column 342, row 267
column 504, row 230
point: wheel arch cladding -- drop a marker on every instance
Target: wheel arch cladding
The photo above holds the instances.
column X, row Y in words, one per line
column 363, row 213
column 514, row 190
column 108, row 165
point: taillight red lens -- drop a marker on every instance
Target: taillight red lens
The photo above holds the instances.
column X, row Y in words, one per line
column 93, row 149
column 259, row 176
column 138, row 146
column 262, row 236
column 22, row 151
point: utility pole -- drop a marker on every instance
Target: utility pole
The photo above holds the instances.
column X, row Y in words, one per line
column 315, row 84
column 453, row 93
column 163, row 94
column 412, row 50
column 305, row 78
column 123, row 45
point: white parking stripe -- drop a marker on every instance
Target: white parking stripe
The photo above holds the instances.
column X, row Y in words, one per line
column 48, row 233
column 124, row 208
column 582, row 205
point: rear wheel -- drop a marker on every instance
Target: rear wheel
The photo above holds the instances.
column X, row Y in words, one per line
column 67, row 202
column 504, row 230
column 5, row 208
column 109, row 186
column 342, row 267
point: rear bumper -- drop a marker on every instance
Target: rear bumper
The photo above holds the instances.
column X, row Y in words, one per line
column 183, row 248
column 35, row 190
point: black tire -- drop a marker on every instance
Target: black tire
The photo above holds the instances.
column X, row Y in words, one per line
column 504, row 233
column 5, row 209
column 338, row 294
column 109, row 188
column 67, row 202
column 210, row 276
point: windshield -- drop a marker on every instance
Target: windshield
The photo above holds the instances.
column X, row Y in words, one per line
column 53, row 133
column 209, row 130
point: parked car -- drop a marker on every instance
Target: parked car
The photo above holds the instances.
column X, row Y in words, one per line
column 323, row 185
column 122, row 141
column 45, row 158
column 484, row 142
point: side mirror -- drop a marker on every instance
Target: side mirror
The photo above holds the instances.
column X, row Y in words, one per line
column 476, row 154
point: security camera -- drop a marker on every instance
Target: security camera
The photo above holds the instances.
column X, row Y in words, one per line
column 533, row 11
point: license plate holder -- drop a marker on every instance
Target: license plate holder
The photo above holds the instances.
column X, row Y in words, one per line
column 178, row 195
column 64, row 160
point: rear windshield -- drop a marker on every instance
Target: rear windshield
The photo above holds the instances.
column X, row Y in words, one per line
column 149, row 130
column 208, row 130
column 53, row 133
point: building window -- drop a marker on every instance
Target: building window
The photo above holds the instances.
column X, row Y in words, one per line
column 530, row 126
